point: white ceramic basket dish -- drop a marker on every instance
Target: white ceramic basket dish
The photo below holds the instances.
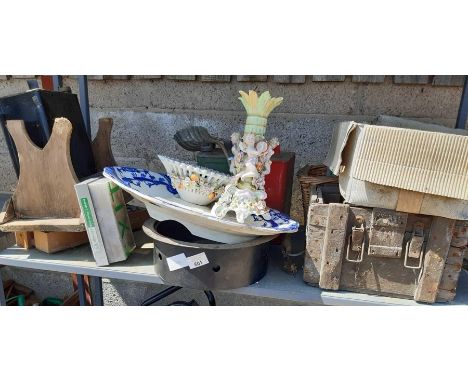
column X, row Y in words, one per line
column 195, row 184
column 164, row 203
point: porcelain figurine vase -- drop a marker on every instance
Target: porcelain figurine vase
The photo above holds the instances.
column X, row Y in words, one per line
column 245, row 194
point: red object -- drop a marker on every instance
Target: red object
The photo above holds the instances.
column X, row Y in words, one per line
column 47, row 83
column 278, row 183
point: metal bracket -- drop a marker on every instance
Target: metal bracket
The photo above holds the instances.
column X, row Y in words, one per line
column 415, row 246
column 357, row 240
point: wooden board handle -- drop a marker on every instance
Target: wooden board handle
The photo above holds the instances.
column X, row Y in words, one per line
column 102, row 149
column 23, row 142
column 46, row 181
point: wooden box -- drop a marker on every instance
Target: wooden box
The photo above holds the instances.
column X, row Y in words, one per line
column 381, row 251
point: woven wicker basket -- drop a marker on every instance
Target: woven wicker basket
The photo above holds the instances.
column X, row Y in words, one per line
column 312, row 175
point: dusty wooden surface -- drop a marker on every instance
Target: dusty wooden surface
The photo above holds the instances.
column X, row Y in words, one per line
column 51, row 242
column 387, row 233
column 454, row 263
column 437, row 249
column 333, row 248
column 101, row 145
column 45, row 224
column 380, row 275
column 24, row 239
column 409, row 201
column 315, row 235
column 46, row 182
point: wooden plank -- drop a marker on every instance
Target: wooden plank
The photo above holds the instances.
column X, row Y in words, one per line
column 333, row 248
column 4, row 78
column 137, row 216
column 460, row 242
column 46, row 182
column 328, row 78
column 449, row 279
column 368, row 79
column 461, row 228
column 51, row 242
column 437, row 248
column 379, row 275
column 24, row 239
column 215, row 78
column 460, row 234
column 46, row 224
column 448, row 80
column 281, row 79
column 181, row 78
column 387, row 233
column 101, row 145
column 411, row 79
column 315, row 235
column 409, row 201
column 251, row 78
column 298, row 79
column 445, row 295
column 455, row 256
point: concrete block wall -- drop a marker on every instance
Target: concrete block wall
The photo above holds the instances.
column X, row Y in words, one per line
column 148, row 110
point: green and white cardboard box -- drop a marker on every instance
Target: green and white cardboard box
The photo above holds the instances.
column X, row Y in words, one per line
column 106, row 218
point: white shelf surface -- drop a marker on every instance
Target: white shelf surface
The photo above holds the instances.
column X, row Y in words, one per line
column 139, row 267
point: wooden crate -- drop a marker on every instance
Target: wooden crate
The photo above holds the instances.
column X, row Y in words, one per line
column 384, row 252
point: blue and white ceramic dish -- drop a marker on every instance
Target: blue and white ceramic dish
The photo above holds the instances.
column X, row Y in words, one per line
column 163, row 203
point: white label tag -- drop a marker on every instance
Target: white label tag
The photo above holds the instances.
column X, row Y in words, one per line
column 197, row 260
column 177, row 262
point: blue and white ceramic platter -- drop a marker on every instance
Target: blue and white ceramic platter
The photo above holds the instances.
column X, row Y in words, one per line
column 163, row 203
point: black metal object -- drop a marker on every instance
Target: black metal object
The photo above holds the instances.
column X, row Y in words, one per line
column 10, row 145
column 171, row 290
column 229, row 265
column 57, row 82
column 184, row 303
column 2, row 293
column 293, row 250
column 197, row 138
column 463, row 109
column 84, row 102
column 39, row 108
column 98, row 297
column 210, row 296
column 81, row 290
column 159, row 296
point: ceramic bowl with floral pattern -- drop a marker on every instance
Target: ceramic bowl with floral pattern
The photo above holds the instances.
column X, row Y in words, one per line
column 195, row 184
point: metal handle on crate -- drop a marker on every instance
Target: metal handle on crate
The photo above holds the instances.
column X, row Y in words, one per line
column 355, row 233
column 415, row 247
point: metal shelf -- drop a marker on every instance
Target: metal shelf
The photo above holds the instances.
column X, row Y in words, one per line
column 139, row 267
